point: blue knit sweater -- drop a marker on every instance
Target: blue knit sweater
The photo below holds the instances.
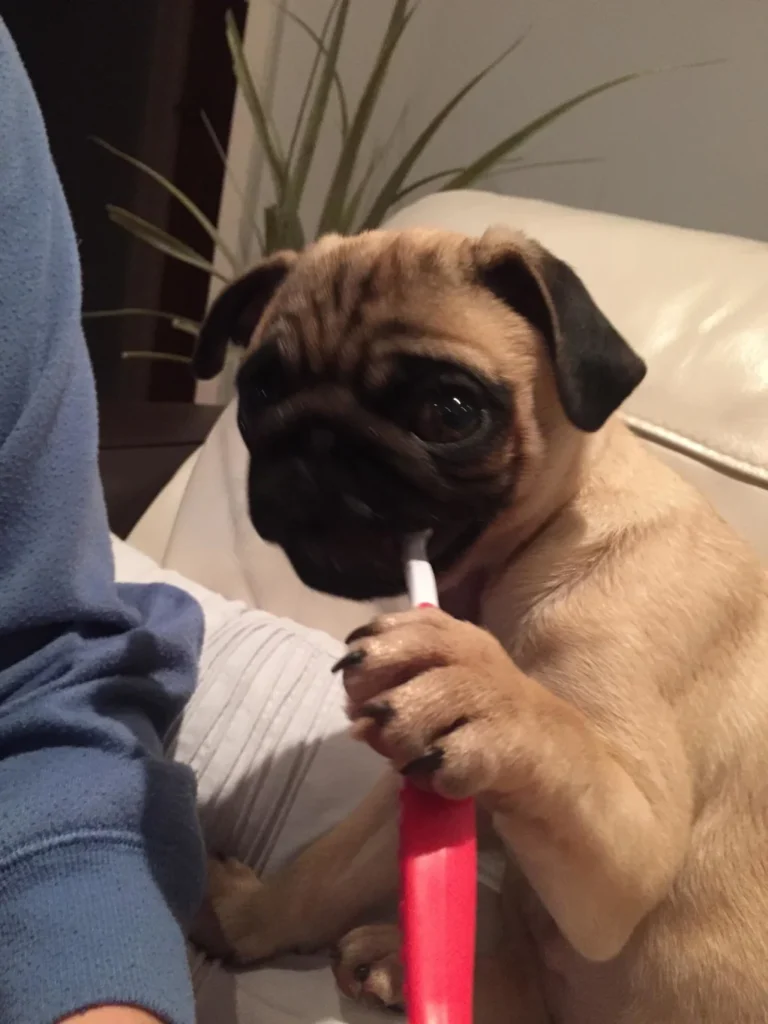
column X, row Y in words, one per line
column 100, row 857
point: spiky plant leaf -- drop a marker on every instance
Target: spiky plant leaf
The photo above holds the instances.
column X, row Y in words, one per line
column 282, row 229
column 208, row 226
column 299, row 174
column 231, row 177
column 321, row 49
column 157, row 357
column 420, row 182
column 338, row 190
column 181, row 323
column 492, row 156
column 393, row 185
column 255, row 106
column 349, row 213
column 162, row 240
column 347, row 223
column 514, row 166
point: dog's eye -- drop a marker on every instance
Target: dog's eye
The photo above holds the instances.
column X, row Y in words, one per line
column 447, row 416
column 262, row 381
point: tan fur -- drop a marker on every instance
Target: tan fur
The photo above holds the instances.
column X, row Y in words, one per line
column 615, row 691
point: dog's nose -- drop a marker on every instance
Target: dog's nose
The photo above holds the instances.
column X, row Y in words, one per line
column 321, row 440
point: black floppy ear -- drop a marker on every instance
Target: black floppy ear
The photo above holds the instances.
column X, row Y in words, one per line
column 236, row 311
column 595, row 369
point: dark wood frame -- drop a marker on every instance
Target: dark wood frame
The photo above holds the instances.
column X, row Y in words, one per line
column 200, row 79
column 137, row 73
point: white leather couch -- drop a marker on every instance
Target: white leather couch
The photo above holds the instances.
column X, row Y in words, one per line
column 695, row 305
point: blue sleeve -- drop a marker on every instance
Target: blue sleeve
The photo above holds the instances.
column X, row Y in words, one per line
column 101, row 863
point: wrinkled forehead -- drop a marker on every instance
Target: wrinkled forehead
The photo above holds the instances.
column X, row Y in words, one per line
column 379, row 296
column 380, row 267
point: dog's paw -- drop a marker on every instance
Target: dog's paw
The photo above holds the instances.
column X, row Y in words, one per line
column 368, row 968
column 233, row 923
column 440, row 698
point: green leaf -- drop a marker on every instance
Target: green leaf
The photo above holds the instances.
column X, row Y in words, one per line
column 102, row 314
column 298, row 177
column 346, row 222
column 177, row 194
column 230, row 175
column 180, row 323
column 338, row 190
column 309, row 85
column 283, row 229
column 394, row 183
column 426, row 180
column 162, row 240
column 320, row 43
column 349, row 213
column 256, row 108
column 513, row 166
column 186, row 326
column 271, row 238
column 484, row 163
column 160, row 357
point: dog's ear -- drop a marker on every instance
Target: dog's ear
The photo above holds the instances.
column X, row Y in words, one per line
column 236, row 312
column 595, row 369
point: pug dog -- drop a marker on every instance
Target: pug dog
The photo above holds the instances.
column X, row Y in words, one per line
column 598, row 680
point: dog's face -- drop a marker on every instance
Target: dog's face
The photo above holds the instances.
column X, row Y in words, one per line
column 403, row 381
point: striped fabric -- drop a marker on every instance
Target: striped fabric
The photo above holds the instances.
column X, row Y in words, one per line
column 266, row 735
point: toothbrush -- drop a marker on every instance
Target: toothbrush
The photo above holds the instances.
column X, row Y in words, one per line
column 438, row 867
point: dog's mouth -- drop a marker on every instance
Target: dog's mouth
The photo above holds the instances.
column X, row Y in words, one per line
column 366, row 563
column 355, row 565
column 351, row 544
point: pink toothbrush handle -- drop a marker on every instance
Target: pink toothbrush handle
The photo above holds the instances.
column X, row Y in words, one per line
column 438, row 864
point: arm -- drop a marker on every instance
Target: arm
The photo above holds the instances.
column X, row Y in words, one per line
column 596, row 813
column 100, row 855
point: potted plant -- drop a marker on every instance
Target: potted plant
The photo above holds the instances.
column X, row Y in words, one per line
column 352, row 202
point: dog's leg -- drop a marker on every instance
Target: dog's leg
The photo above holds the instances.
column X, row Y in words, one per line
column 599, row 836
column 368, row 969
column 508, row 990
column 313, row 901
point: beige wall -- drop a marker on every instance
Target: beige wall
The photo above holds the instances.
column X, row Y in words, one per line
column 689, row 147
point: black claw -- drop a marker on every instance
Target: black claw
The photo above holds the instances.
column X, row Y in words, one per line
column 349, row 660
column 362, row 972
column 369, row 629
column 382, row 714
column 427, row 764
